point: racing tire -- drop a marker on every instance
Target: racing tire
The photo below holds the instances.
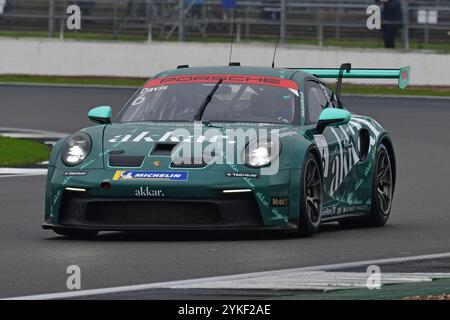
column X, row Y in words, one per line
column 382, row 194
column 311, row 197
column 77, row 234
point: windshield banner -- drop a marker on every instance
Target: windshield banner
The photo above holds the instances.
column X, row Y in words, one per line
column 227, row 78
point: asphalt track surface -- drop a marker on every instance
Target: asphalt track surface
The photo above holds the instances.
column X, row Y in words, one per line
column 34, row 261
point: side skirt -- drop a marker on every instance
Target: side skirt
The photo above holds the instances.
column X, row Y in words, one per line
column 345, row 216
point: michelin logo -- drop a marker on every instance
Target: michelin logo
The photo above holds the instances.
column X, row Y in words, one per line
column 152, row 175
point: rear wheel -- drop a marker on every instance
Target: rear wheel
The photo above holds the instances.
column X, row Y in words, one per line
column 382, row 193
column 310, row 213
column 382, row 189
column 77, row 234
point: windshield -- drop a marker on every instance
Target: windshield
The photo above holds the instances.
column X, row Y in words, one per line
column 237, row 99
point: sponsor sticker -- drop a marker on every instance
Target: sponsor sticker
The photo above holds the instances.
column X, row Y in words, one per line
column 151, row 175
column 147, row 192
column 75, row 173
column 242, row 174
column 320, row 140
column 157, row 163
column 280, row 201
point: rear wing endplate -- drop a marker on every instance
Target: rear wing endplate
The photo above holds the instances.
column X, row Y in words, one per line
column 401, row 74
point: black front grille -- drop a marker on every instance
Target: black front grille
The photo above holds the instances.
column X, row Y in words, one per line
column 233, row 210
column 152, row 213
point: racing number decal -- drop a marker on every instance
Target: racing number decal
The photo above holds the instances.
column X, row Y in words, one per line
column 144, row 92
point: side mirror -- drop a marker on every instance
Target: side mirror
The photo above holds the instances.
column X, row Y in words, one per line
column 332, row 117
column 100, row 115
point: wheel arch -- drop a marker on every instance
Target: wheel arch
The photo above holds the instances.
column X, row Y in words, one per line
column 307, row 227
column 316, row 153
column 302, row 149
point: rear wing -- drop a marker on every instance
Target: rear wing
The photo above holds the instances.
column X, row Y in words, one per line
column 401, row 74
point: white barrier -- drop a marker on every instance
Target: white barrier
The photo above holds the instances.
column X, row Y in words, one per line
column 125, row 59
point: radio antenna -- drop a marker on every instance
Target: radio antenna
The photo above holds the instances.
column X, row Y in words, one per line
column 274, row 53
column 232, row 36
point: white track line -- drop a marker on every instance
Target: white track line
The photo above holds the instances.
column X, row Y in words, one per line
column 52, row 133
column 21, row 175
column 396, row 96
column 312, row 280
column 31, row 134
column 21, row 172
column 172, row 284
column 19, row 135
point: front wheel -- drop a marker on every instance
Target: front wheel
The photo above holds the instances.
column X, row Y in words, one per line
column 310, row 213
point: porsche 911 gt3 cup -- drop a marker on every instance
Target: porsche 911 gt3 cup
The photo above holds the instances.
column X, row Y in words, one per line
column 221, row 148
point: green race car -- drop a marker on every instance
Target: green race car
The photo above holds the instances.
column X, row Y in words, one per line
column 221, row 148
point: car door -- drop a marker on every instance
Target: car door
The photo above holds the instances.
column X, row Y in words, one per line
column 334, row 144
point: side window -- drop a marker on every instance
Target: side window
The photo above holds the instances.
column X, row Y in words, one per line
column 330, row 96
column 315, row 101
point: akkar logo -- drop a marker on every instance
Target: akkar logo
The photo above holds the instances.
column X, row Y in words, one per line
column 147, row 192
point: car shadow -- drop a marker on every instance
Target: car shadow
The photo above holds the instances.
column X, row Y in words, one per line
column 197, row 235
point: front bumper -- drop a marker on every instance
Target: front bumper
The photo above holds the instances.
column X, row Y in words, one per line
column 198, row 204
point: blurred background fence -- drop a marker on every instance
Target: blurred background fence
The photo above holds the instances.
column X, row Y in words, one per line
column 322, row 22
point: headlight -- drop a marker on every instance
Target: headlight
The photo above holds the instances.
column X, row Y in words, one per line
column 261, row 155
column 76, row 149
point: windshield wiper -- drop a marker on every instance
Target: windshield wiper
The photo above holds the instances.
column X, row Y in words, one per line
column 210, row 124
column 199, row 114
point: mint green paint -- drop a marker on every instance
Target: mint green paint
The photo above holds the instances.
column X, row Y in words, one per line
column 403, row 81
column 243, row 70
column 330, row 114
column 401, row 74
column 100, row 114
column 205, row 183
column 284, row 184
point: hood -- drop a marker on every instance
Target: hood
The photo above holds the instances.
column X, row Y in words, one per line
column 148, row 146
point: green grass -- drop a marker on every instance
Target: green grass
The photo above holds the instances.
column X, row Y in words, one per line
column 73, row 36
column 387, row 292
column 110, row 81
column 23, row 34
column 394, row 90
column 20, row 152
column 443, row 47
column 136, row 82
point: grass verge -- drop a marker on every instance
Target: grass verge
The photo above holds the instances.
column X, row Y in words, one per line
column 20, row 152
column 394, row 90
column 136, row 82
column 372, row 43
column 110, row 81
column 416, row 290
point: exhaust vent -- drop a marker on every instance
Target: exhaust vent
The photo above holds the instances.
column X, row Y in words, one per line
column 116, row 160
column 163, row 149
